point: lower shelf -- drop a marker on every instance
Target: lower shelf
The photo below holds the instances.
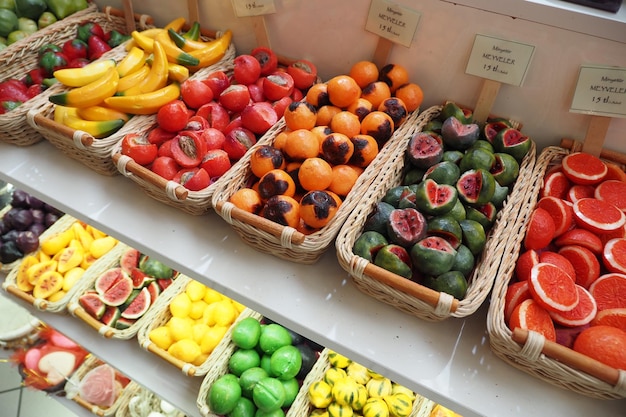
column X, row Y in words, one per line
column 450, row 362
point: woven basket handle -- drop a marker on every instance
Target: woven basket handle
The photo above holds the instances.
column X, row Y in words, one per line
column 407, row 286
column 87, row 318
column 13, row 290
column 149, row 176
column 572, row 358
column 261, row 223
column 85, row 139
column 182, row 365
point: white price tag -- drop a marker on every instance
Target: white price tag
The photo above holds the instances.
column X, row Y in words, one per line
column 391, row 21
column 244, row 8
column 600, row 90
column 499, row 60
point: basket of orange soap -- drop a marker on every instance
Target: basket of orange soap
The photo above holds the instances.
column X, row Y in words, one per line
column 120, row 295
column 290, row 193
column 558, row 307
column 220, row 114
column 191, row 329
column 49, row 277
column 427, row 237
column 94, row 107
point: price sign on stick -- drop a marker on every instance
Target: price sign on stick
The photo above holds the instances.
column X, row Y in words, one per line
column 393, row 24
column 244, row 8
column 600, row 92
column 497, row 61
column 256, row 9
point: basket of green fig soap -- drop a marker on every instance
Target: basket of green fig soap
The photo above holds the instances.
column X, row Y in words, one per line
column 427, row 237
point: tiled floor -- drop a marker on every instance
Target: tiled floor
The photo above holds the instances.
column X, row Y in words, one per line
column 18, row 401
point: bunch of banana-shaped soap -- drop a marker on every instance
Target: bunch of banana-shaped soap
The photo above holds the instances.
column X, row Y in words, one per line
column 105, row 92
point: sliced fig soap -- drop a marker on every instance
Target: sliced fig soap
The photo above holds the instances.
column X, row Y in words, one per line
column 433, row 226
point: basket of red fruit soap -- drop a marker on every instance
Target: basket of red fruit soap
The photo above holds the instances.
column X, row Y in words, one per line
column 220, row 114
column 558, row 307
column 290, row 194
column 119, row 295
column 427, row 236
column 28, row 74
column 94, row 107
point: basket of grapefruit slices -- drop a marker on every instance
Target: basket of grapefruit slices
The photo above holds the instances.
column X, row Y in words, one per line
column 427, row 236
column 558, row 307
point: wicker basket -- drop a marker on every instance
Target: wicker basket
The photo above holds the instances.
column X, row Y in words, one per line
column 404, row 294
column 529, row 351
column 147, row 399
column 160, row 315
column 14, row 127
column 90, row 277
column 283, row 241
column 71, row 389
column 10, row 283
column 301, row 406
column 94, row 153
column 21, row 57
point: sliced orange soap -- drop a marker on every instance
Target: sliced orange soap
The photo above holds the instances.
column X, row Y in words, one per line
column 609, row 291
column 530, row 315
column 615, row 317
column 584, row 168
column 598, row 216
column 552, row 288
column 584, row 312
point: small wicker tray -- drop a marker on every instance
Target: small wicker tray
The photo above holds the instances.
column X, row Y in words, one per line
column 21, row 57
column 301, row 406
column 71, row 390
column 90, row 277
column 286, row 242
column 160, row 314
column 405, row 294
column 147, row 398
column 10, row 283
column 529, row 351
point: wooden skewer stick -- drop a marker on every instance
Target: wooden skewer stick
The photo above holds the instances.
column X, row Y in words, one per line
column 382, row 52
column 487, row 97
column 596, row 133
column 194, row 12
column 129, row 15
column 260, row 31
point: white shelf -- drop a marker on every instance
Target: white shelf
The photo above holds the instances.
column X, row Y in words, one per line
column 449, row 362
